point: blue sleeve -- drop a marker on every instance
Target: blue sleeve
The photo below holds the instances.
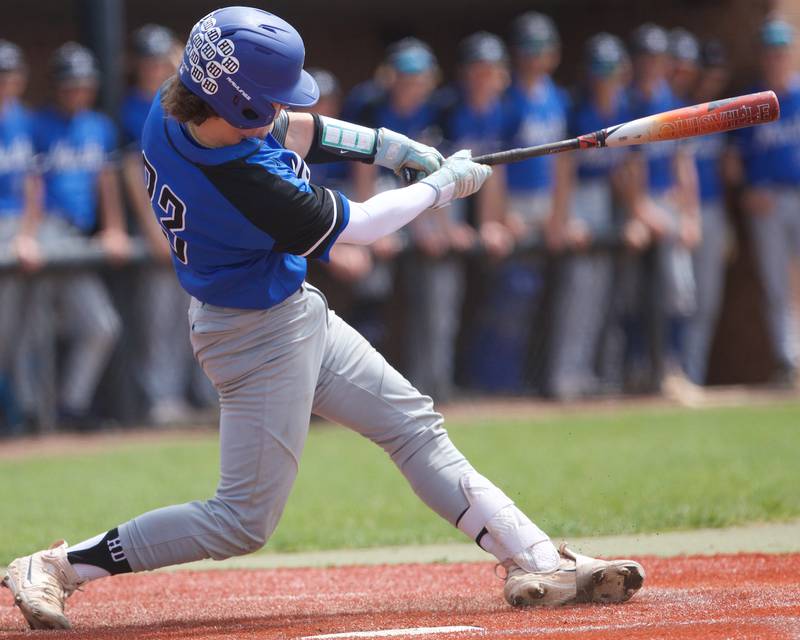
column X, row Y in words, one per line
column 39, row 133
column 512, row 118
column 108, row 133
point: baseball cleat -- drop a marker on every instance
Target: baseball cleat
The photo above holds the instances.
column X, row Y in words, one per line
column 41, row 584
column 578, row 578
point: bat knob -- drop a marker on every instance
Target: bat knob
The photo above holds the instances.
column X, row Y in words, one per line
column 410, row 176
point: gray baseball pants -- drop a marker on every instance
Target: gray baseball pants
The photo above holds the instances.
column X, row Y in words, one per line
column 709, row 273
column 272, row 368
column 776, row 239
column 582, row 300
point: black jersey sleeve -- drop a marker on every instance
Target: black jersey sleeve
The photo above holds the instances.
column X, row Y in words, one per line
column 301, row 222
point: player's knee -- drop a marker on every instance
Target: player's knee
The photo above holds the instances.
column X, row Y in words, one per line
column 243, row 531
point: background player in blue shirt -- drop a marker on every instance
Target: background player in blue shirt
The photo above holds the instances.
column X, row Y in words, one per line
column 225, row 166
column 534, row 112
column 585, row 282
column 16, row 193
column 771, row 163
column 400, row 99
column 349, row 263
column 81, row 198
column 661, row 196
column 166, row 369
column 469, row 115
column 712, row 156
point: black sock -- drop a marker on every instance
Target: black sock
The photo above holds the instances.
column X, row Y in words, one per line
column 107, row 554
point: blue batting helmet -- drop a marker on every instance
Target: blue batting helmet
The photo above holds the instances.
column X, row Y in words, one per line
column 240, row 60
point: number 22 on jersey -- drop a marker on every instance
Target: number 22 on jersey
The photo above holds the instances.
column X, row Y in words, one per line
column 173, row 208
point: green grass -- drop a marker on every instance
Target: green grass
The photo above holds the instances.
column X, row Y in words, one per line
column 574, row 475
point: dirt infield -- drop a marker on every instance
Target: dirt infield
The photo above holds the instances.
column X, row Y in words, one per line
column 736, row 596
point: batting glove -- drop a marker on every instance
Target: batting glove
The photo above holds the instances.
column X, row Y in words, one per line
column 397, row 152
column 459, row 177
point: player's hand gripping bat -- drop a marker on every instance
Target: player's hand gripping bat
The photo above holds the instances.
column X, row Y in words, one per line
column 698, row 120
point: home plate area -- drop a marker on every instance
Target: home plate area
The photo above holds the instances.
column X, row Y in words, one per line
column 735, row 596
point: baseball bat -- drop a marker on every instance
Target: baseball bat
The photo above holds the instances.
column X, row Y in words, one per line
column 698, row 120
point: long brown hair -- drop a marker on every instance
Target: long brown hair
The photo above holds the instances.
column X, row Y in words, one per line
column 183, row 105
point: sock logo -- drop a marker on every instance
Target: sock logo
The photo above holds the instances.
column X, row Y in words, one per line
column 115, row 550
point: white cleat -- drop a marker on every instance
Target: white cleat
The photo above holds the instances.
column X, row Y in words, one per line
column 577, row 579
column 41, row 584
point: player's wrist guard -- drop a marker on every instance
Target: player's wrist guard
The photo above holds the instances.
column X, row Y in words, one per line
column 336, row 140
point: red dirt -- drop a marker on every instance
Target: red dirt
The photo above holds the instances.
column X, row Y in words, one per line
column 741, row 596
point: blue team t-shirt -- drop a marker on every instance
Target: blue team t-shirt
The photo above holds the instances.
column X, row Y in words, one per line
column 241, row 219
column 463, row 127
column 707, row 151
column 132, row 116
column 533, row 118
column 584, row 117
column 73, row 150
column 660, row 156
column 16, row 156
column 771, row 152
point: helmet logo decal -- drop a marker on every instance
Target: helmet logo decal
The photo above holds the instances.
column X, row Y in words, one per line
column 214, row 69
column 194, row 57
column 197, row 73
column 209, row 86
column 230, row 64
column 212, row 35
column 241, row 91
column 207, row 23
column 225, row 47
column 208, row 51
column 197, row 39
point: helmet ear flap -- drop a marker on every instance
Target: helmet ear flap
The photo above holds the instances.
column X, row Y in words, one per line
column 268, row 113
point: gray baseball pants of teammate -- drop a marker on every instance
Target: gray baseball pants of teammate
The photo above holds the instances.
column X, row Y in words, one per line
column 709, row 273
column 168, row 370
column 583, row 298
column 436, row 291
column 776, row 239
column 84, row 313
column 272, row 368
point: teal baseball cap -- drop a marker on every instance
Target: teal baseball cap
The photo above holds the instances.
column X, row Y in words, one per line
column 411, row 55
column 776, row 32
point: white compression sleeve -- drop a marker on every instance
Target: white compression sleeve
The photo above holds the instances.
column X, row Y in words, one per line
column 386, row 212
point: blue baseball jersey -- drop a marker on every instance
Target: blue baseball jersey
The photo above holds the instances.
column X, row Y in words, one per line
column 359, row 98
column 132, row 116
column 533, row 118
column 660, row 156
column 708, row 159
column 16, row 157
column 584, row 117
column 74, row 149
column 242, row 219
column 462, row 127
column 771, row 152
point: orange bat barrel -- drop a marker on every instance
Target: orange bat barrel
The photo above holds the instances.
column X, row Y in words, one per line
column 698, row 120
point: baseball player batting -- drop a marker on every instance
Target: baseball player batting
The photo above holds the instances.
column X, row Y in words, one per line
column 226, row 173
